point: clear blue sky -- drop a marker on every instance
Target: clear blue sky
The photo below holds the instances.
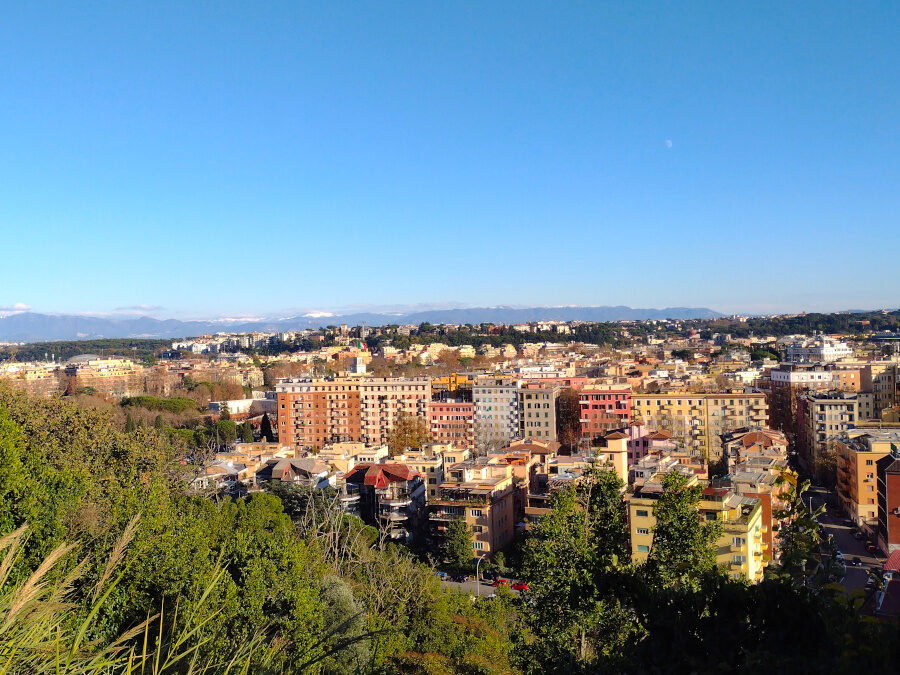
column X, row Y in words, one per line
column 248, row 158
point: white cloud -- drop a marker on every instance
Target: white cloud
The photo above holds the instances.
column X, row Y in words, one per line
column 139, row 308
column 668, row 144
column 16, row 307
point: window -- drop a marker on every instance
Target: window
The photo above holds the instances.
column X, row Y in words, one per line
column 738, row 560
column 738, row 541
column 478, row 545
column 869, row 462
column 641, row 513
column 643, row 548
column 476, row 513
column 643, row 530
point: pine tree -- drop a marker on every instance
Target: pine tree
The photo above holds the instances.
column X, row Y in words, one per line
column 265, row 429
column 159, row 423
column 246, row 433
column 129, row 424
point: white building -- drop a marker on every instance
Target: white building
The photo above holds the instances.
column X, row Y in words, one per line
column 820, row 349
column 496, row 409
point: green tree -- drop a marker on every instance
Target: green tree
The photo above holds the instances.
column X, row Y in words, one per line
column 575, row 560
column 246, row 433
column 684, row 545
column 159, row 423
column 129, row 424
column 798, row 540
column 265, row 429
column 224, row 412
column 457, row 545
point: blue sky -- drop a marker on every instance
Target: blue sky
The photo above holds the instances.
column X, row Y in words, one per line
column 244, row 158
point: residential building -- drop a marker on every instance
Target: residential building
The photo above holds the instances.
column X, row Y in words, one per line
column 481, row 491
column 391, row 496
column 820, row 349
column 740, row 547
column 888, row 473
column 821, row 418
column 112, row 376
column 303, row 471
column 741, row 444
column 858, row 452
column 603, row 409
column 496, row 410
column 697, row 421
column 315, row 412
column 537, row 411
column 453, row 421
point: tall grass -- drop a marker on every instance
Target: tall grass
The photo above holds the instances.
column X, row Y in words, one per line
column 39, row 631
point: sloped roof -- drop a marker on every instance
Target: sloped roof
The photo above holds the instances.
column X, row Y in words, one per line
column 381, row 475
column 615, row 436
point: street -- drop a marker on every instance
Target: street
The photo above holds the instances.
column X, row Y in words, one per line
column 848, row 545
column 472, row 588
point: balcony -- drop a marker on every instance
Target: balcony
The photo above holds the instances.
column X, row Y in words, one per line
column 396, row 502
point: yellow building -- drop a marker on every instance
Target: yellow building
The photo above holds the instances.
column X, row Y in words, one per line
column 696, row 421
column 857, row 480
column 482, row 492
column 431, row 461
column 740, row 549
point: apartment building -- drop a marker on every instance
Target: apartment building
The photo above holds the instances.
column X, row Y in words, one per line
column 537, row 411
column 496, row 402
column 740, row 549
column 888, row 473
column 314, row 412
column 453, row 421
column 821, row 418
column 741, row 444
column 35, row 379
column 820, row 349
column 430, row 460
column 603, row 409
column 697, row 421
column 108, row 375
column 390, row 496
column 383, row 400
column 858, row 452
column 481, row 491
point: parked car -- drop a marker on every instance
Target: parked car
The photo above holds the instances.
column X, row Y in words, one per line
column 459, row 578
column 501, row 582
column 849, row 522
column 442, row 575
column 856, row 562
column 520, row 586
column 859, row 535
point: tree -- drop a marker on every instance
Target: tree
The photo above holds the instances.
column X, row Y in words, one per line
column 265, row 429
column 798, row 538
column 409, row 431
column 575, row 561
column 224, row 412
column 129, row 424
column 568, row 418
column 683, row 547
column 246, row 433
column 159, row 423
column 457, row 545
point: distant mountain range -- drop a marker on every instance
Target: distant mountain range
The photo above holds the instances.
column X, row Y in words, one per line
column 34, row 327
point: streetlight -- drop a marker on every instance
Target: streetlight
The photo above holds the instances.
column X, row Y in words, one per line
column 477, row 580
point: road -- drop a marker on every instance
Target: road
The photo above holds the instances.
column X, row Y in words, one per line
column 472, row 588
column 850, row 547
